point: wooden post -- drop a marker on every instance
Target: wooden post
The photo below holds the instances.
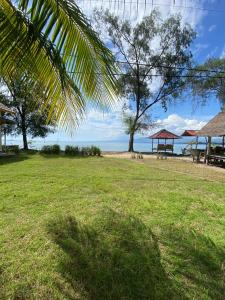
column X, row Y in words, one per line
column 165, row 145
column 0, row 134
column 196, row 146
column 152, row 145
column 223, row 141
column 209, row 148
column 5, row 138
column 173, row 146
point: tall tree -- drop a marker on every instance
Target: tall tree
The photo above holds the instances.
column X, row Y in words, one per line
column 22, row 97
column 53, row 43
column 155, row 53
column 209, row 81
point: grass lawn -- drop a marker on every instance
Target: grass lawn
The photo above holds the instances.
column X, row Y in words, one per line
column 107, row 228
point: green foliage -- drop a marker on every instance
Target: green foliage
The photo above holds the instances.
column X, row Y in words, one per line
column 50, row 149
column 72, row 150
column 95, row 151
column 146, row 48
column 211, row 85
column 84, row 151
column 22, row 97
column 11, row 149
column 53, row 43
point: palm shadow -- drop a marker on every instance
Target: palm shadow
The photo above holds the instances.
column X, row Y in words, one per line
column 118, row 260
column 197, row 261
column 13, row 159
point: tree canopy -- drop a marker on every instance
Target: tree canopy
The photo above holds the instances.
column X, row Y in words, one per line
column 55, row 45
column 211, row 83
column 154, row 55
column 22, row 98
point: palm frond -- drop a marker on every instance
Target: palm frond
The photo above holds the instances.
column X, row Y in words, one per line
column 52, row 42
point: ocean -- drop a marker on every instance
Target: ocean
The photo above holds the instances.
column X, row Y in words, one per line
column 142, row 145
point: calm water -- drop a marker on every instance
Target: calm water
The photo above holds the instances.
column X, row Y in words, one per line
column 142, row 145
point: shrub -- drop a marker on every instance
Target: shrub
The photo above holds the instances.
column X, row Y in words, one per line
column 50, row 149
column 85, row 151
column 11, row 149
column 72, row 150
column 95, row 151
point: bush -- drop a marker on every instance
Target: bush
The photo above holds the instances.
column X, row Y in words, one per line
column 95, row 151
column 51, row 149
column 11, row 149
column 72, row 150
column 84, row 151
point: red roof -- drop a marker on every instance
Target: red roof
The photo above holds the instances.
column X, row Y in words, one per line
column 164, row 134
column 190, row 133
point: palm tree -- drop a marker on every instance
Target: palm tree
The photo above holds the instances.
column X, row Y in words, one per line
column 53, row 43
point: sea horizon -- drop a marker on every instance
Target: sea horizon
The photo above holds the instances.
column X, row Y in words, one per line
column 140, row 144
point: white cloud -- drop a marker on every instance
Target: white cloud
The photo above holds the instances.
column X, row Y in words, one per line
column 212, row 27
column 178, row 124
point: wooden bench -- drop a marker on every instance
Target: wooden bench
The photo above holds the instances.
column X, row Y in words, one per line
column 164, row 148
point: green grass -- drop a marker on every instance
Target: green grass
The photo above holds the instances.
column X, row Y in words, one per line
column 106, row 228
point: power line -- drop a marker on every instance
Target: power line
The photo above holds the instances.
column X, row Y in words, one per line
column 152, row 4
column 172, row 67
column 158, row 75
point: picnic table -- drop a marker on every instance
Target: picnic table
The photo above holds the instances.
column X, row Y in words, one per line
column 216, row 159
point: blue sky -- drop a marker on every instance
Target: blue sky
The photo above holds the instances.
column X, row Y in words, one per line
column 207, row 17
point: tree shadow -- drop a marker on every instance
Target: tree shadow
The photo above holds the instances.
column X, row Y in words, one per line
column 119, row 259
column 13, row 159
column 197, row 261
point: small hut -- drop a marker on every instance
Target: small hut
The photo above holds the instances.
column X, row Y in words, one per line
column 164, row 135
column 214, row 128
column 3, row 120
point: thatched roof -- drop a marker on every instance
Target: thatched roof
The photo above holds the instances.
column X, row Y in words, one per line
column 6, row 109
column 215, row 127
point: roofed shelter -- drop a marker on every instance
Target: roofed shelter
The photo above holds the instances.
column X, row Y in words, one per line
column 3, row 109
column 164, row 135
column 214, row 128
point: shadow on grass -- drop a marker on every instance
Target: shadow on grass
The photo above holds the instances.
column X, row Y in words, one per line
column 13, row 159
column 119, row 259
column 198, row 261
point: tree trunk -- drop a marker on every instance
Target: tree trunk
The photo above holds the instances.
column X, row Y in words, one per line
column 25, row 144
column 131, row 142
column 24, row 133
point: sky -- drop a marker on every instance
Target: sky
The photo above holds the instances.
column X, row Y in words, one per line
column 207, row 17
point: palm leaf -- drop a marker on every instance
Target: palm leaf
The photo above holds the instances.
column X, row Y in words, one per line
column 52, row 42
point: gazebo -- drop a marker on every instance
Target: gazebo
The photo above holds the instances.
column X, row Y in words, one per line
column 164, row 135
column 215, row 128
column 3, row 120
